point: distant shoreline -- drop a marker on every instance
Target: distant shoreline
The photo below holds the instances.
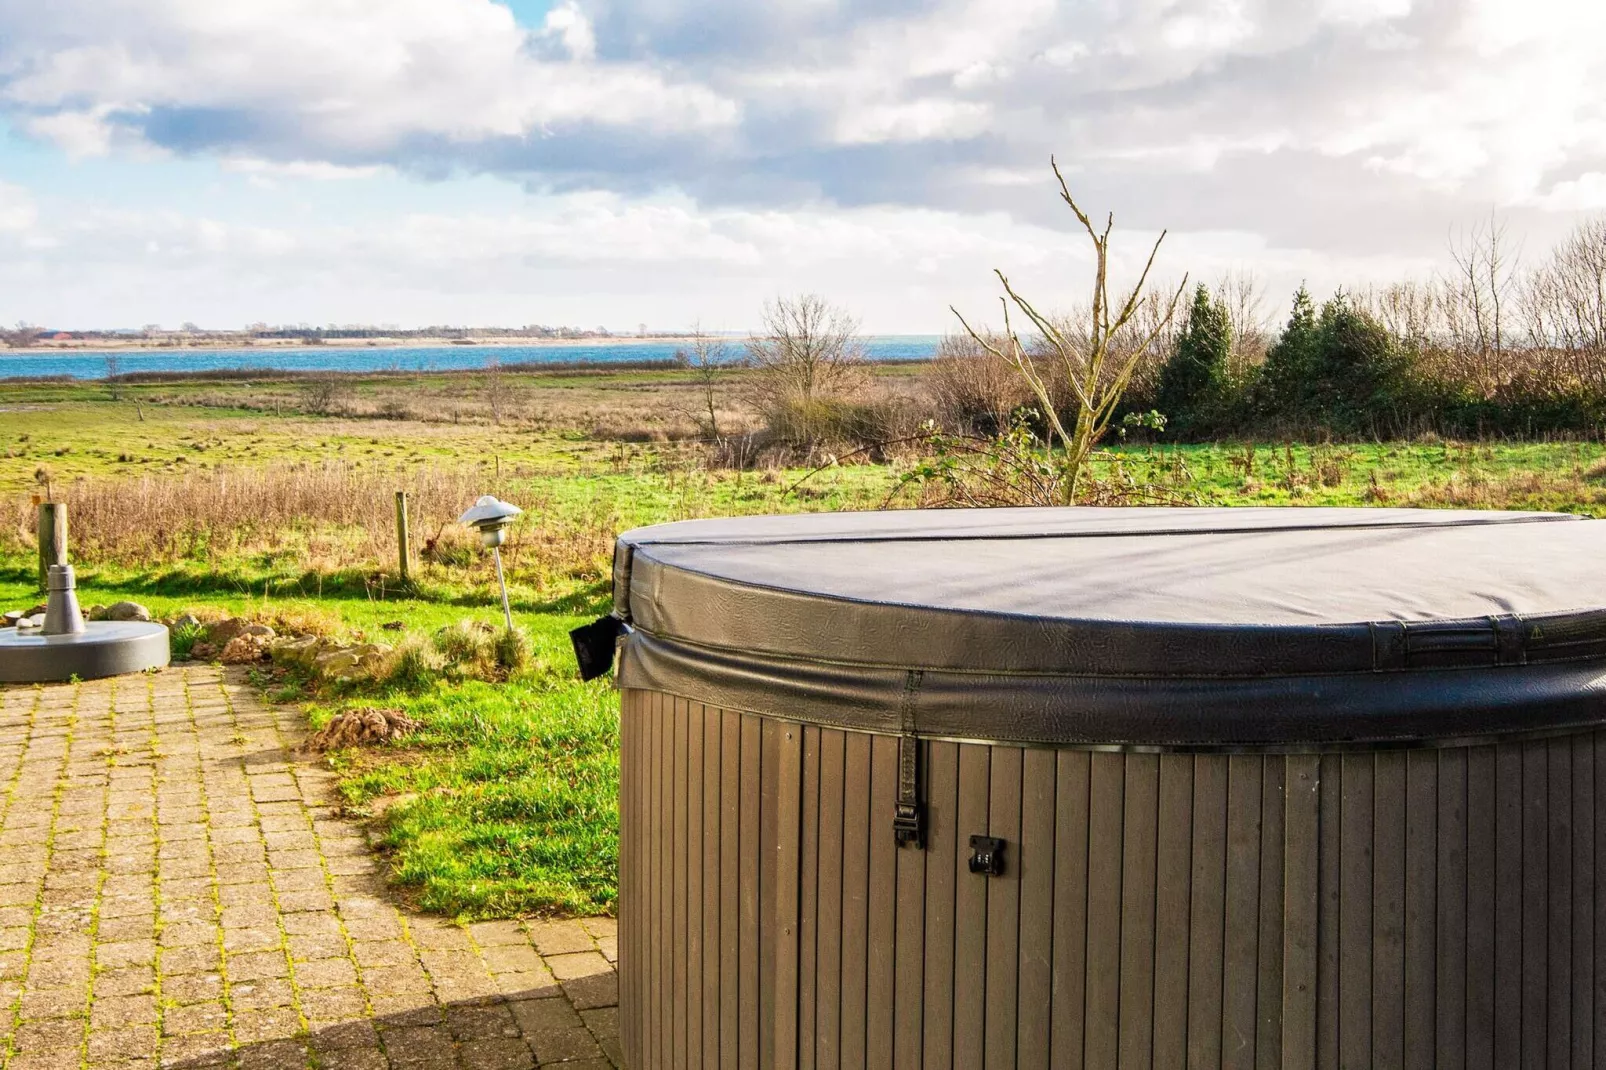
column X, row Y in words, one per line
column 87, row 347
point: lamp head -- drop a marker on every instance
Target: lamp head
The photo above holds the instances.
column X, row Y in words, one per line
column 492, row 517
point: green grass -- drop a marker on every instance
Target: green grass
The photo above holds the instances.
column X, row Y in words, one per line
column 504, row 803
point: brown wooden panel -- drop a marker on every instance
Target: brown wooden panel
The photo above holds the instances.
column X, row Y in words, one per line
column 663, row 916
column 1066, row 1023
column 1355, row 913
column 1558, row 999
column 1329, row 902
column 1450, row 901
column 1003, row 909
column 629, row 970
column 855, row 893
column 1240, row 963
column 1106, row 811
column 943, row 838
column 1482, row 881
column 696, row 865
column 712, row 815
column 777, row 919
column 880, row 943
column 1599, row 991
column 828, row 933
column 808, row 899
column 1173, row 865
column 1534, row 864
column 1508, row 907
column 910, row 948
column 1208, row 910
column 751, row 849
column 1388, row 910
column 676, row 937
column 730, row 879
column 1140, row 837
column 970, row 912
column 1301, row 857
column 1036, row 862
column 1584, row 1007
column 1273, row 849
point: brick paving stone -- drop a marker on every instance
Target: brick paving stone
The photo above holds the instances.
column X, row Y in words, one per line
column 188, row 900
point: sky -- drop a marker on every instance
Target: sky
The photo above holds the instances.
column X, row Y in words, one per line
column 625, row 162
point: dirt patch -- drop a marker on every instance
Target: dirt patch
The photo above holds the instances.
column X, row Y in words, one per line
column 362, row 726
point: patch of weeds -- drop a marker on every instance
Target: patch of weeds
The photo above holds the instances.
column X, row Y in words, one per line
column 182, row 640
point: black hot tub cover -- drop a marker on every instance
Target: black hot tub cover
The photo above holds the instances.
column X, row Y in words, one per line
column 1137, row 627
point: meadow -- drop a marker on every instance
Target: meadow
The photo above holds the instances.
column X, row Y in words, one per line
column 274, row 498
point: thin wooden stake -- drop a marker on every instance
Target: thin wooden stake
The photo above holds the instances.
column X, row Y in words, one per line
column 52, row 539
column 403, row 562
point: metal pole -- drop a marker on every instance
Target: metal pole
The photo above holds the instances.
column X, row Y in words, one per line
column 402, row 549
column 506, row 612
column 52, row 539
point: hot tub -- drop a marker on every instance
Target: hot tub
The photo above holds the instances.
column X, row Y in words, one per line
column 1104, row 787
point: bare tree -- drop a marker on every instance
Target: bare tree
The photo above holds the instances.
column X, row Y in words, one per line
column 1244, row 296
column 809, row 350
column 497, row 391
column 1479, row 292
column 1096, row 361
column 709, row 361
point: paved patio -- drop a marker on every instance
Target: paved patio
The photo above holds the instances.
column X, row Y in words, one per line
column 177, row 890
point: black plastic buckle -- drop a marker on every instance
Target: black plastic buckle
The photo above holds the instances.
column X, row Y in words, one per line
column 909, row 825
column 986, row 855
column 594, row 645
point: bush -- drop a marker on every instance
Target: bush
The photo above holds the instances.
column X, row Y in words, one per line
column 975, row 392
column 1339, row 371
column 1193, row 387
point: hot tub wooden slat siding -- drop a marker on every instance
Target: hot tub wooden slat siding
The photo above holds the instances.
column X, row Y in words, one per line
column 1432, row 907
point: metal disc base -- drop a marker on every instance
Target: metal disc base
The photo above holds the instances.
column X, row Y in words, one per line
column 104, row 648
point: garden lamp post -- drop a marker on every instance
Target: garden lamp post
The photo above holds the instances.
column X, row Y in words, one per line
column 493, row 517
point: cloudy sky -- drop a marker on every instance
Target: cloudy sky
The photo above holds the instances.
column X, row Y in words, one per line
column 615, row 162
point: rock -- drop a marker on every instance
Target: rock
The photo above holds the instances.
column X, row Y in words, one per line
column 36, row 620
column 127, row 611
column 364, row 725
column 95, row 612
column 180, row 624
column 394, row 625
column 346, row 662
column 203, row 651
column 246, row 649
column 298, row 651
column 221, row 632
column 11, row 618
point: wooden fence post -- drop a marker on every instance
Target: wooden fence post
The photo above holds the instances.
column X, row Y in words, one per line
column 402, row 550
column 52, row 539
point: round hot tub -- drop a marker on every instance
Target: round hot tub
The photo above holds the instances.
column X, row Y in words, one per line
column 1105, row 787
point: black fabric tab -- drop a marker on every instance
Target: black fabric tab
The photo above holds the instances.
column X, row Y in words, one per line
column 594, row 645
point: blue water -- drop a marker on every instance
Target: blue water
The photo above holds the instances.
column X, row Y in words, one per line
column 33, row 364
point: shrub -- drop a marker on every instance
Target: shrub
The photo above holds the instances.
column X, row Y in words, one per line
column 974, row 390
column 1193, row 384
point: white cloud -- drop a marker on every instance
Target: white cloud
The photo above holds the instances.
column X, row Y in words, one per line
column 683, row 145
column 340, row 79
column 17, row 211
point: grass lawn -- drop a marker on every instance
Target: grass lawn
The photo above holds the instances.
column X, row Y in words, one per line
column 504, row 802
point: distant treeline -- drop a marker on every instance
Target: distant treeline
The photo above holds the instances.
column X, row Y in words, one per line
column 1485, row 351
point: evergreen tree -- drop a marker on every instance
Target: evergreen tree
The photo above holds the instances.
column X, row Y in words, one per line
column 1281, row 390
column 1193, row 384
